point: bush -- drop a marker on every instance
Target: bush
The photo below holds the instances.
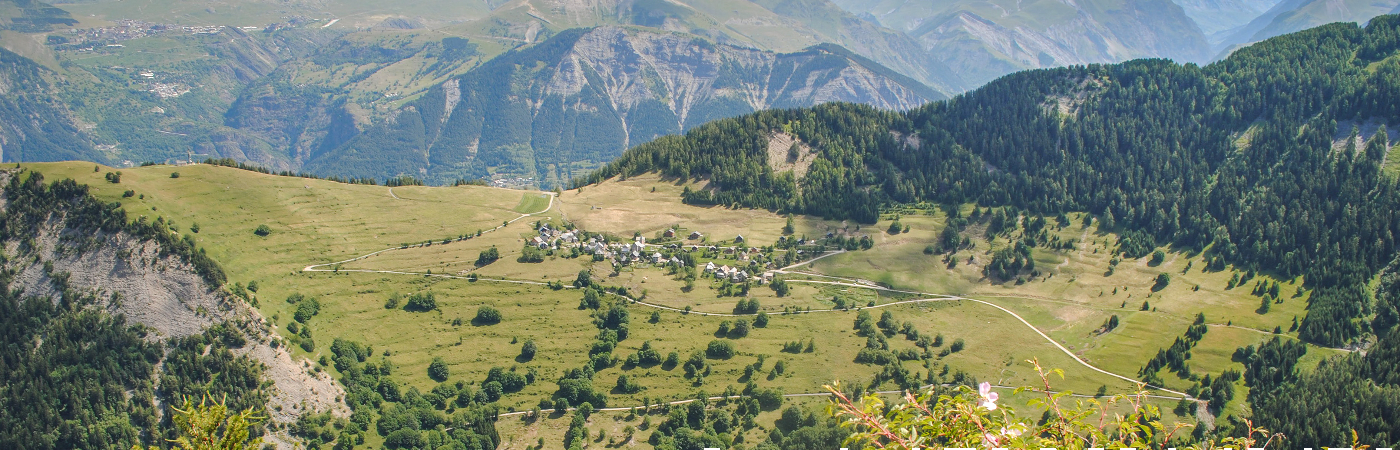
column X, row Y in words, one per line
column 527, row 351
column 306, row 309
column 174, row 174
column 720, row 349
column 422, row 301
column 1161, row 283
column 531, row 254
column 488, row 256
column 487, row 315
column 437, row 370
column 262, row 230
column 780, row 287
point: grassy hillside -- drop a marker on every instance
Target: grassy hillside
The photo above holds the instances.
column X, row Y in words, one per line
column 315, row 222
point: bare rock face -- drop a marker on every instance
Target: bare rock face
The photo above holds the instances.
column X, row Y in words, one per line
column 164, row 293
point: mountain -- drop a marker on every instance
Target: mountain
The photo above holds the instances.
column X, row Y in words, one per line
column 579, row 99
column 352, row 14
column 777, row 25
column 1295, row 15
column 982, row 40
column 1202, row 158
column 293, row 94
column 33, row 124
column 1218, row 17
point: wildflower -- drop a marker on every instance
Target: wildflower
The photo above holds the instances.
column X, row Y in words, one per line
column 987, row 397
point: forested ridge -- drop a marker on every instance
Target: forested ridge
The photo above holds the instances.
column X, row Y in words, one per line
column 1236, row 158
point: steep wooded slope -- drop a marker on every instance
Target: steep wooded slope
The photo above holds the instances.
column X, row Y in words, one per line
column 1252, row 158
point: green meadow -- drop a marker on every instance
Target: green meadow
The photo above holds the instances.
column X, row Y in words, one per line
column 429, row 240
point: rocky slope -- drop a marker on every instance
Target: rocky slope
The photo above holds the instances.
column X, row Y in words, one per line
column 982, row 40
column 144, row 281
column 585, row 95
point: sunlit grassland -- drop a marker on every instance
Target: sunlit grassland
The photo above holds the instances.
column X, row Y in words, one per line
column 321, row 222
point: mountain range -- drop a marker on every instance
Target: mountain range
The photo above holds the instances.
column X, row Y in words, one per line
column 358, row 89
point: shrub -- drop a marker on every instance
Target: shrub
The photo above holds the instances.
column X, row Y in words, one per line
column 527, row 351
column 306, row 309
column 262, row 230
column 780, row 287
column 437, row 370
column 531, row 254
column 487, row 315
column 488, row 256
column 1161, row 283
column 720, row 349
column 174, row 174
column 422, row 301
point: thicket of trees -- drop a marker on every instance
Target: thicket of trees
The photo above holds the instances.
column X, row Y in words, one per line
column 1148, row 145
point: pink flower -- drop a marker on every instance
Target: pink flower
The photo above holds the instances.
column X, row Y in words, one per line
column 987, row 397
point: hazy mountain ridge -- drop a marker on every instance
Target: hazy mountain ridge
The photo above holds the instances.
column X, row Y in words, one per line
column 776, row 25
column 33, row 124
column 1290, row 16
column 982, row 40
column 584, row 96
